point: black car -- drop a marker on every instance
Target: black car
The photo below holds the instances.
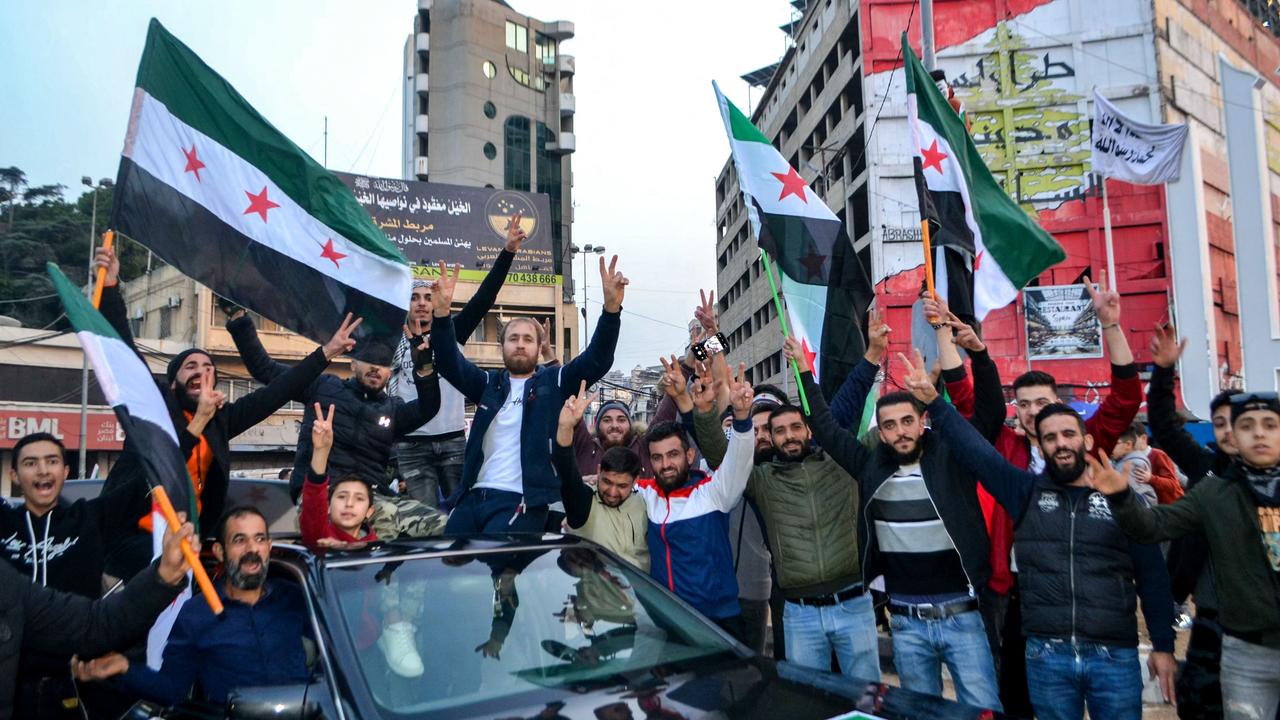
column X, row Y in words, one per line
column 533, row 627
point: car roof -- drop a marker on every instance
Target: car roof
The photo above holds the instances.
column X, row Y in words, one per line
column 440, row 546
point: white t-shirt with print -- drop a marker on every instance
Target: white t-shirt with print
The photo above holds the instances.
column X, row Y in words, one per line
column 501, row 445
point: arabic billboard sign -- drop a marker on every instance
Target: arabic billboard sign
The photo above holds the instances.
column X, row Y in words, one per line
column 1061, row 323
column 430, row 222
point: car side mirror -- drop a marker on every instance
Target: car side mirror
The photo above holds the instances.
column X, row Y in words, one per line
column 279, row 702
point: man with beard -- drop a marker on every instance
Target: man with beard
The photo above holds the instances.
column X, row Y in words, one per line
column 367, row 422
column 810, row 507
column 507, row 476
column 205, row 420
column 429, row 459
column 1077, row 570
column 612, row 516
column 921, row 527
column 1238, row 512
column 256, row 641
column 688, row 512
column 613, row 429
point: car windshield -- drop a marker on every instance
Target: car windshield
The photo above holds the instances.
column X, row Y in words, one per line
column 502, row 628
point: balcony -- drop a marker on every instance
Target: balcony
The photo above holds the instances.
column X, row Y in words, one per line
column 568, row 104
column 423, row 43
column 420, row 167
column 559, row 30
column 422, row 83
column 566, row 65
column 420, row 125
column 563, row 145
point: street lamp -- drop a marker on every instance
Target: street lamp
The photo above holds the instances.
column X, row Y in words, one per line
column 88, row 287
column 585, row 251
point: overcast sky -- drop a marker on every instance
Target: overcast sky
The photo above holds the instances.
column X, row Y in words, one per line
column 650, row 139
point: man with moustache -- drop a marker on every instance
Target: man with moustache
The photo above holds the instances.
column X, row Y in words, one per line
column 256, row 641
column 613, row 429
column 507, row 476
column 429, row 458
column 1080, row 576
column 810, row 507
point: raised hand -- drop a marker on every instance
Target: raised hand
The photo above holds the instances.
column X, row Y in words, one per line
column 704, row 392
column 1165, row 346
column 173, row 566
column 210, row 399
column 443, row 289
column 1103, row 476
column 1106, row 302
column 419, row 346
column 966, row 336
column 515, row 233
column 544, row 348
column 614, row 284
column 919, row 381
column 877, row 337
column 705, row 313
column 105, row 257
column 322, row 430
column 342, row 340
column 794, row 351
column 575, row 406
column 673, row 380
column 740, row 393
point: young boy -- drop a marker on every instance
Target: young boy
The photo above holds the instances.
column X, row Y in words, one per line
column 333, row 517
column 1134, row 462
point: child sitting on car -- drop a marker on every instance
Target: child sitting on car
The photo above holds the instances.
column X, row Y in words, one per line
column 336, row 516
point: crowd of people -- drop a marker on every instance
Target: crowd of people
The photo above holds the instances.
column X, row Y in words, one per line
column 1013, row 551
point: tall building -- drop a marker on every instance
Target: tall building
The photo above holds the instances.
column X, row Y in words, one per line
column 488, row 102
column 1025, row 71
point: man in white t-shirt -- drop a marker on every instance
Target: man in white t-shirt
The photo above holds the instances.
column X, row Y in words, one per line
column 507, row 477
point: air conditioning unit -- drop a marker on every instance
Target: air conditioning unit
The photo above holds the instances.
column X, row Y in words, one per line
column 175, row 301
column 136, row 314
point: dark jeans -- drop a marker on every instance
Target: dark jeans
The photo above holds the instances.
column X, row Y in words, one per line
column 755, row 618
column 430, row 469
column 1064, row 678
column 494, row 511
column 1013, row 664
column 994, row 607
column 1199, row 694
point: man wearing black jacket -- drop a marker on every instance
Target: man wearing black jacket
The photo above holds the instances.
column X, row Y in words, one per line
column 63, row 546
column 34, row 618
column 920, row 525
column 204, row 420
column 1199, row 690
column 1078, row 572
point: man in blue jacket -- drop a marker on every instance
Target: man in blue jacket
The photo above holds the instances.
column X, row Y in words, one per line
column 507, row 477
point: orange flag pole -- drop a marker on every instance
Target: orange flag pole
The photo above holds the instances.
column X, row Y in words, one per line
column 107, row 241
column 928, row 263
column 197, row 570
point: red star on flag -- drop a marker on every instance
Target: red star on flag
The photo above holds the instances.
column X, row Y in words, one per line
column 809, row 355
column 260, row 203
column 331, row 254
column 932, row 157
column 792, row 184
column 193, row 162
column 813, row 265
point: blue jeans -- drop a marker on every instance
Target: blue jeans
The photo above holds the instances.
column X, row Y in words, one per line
column 848, row 627
column 482, row 510
column 1064, row 678
column 920, row 647
column 430, row 469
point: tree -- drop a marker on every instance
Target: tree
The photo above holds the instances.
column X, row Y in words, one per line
column 14, row 178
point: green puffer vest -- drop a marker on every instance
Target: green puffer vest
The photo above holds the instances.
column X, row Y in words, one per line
column 810, row 511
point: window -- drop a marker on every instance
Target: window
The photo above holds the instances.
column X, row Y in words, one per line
column 489, row 69
column 549, row 181
column 490, row 151
column 517, row 164
column 544, row 49
column 490, row 110
column 166, row 322
column 520, row 75
column 517, row 37
column 135, row 326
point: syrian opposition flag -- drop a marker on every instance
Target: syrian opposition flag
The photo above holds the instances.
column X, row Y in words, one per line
column 983, row 239
column 131, row 391
column 213, row 189
column 827, row 290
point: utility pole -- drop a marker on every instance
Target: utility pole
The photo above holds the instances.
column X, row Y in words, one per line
column 84, row 364
column 929, row 58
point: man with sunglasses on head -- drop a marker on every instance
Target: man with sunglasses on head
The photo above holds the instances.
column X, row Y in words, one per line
column 1238, row 512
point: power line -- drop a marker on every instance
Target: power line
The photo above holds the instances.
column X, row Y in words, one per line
column 31, row 299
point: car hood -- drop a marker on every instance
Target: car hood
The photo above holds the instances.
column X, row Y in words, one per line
column 751, row 688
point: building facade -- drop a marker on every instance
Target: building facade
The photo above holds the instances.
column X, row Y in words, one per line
column 1025, row 71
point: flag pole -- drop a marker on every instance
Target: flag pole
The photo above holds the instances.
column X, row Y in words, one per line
column 1106, row 227
column 786, row 332
column 161, row 497
column 108, row 239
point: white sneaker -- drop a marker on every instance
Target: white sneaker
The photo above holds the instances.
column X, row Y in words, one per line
column 396, row 643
